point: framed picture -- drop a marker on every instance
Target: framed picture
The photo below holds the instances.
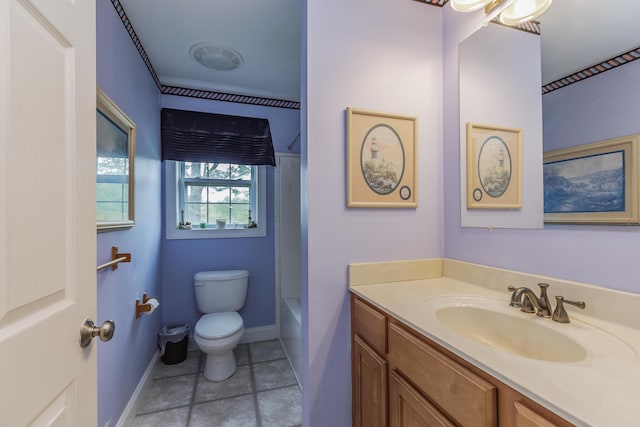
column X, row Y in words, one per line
column 381, row 160
column 494, row 177
column 115, row 153
column 594, row 183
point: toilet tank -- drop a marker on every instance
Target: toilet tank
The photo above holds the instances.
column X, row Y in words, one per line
column 219, row 291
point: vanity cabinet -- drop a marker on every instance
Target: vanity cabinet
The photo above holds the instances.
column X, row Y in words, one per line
column 369, row 365
column 401, row 379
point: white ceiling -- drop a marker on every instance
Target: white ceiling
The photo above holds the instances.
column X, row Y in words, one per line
column 265, row 33
column 576, row 34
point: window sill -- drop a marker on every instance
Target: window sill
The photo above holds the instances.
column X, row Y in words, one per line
column 214, row 233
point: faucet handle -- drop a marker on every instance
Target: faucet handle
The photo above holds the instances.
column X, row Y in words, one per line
column 560, row 314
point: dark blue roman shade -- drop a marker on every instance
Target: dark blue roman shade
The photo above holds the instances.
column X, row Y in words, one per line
column 192, row 136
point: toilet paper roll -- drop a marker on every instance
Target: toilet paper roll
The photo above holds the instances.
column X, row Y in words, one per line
column 153, row 303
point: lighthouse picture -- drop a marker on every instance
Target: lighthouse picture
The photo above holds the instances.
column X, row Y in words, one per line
column 381, row 162
column 382, row 159
column 494, row 166
column 494, row 158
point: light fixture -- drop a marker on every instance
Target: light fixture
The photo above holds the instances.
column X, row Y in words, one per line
column 523, row 11
column 216, row 56
column 509, row 12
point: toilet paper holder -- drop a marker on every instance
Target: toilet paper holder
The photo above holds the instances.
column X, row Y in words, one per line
column 148, row 305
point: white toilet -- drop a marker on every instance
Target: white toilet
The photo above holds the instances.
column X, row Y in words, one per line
column 219, row 295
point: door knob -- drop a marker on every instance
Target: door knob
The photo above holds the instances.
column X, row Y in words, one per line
column 90, row 330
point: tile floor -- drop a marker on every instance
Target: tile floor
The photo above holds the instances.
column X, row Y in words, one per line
column 263, row 392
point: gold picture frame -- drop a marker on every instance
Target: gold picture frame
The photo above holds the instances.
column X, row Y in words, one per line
column 594, row 183
column 381, row 160
column 494, row 167
column 115, row 156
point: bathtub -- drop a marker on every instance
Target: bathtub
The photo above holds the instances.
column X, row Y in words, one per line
column 291, row 333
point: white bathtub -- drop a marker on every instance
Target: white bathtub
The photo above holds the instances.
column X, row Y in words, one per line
column 291, row 333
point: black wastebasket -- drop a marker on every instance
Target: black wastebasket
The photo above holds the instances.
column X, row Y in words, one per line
column 173, row 343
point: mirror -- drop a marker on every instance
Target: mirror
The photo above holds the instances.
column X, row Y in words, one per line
column 499, row 77
column 573, row 37
column 590, row 151
column 115, row 152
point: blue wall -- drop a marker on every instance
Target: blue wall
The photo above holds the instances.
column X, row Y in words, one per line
column 124, row 77
column 183, row 258
column 122, row 362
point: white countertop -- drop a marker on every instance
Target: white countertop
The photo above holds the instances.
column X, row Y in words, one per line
column 601, row 390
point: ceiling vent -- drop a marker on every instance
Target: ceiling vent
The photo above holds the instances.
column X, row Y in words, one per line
column 216, row 56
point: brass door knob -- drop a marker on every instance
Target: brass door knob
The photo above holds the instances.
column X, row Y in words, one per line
column 90, row 330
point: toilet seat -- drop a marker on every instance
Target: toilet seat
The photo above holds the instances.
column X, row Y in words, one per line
column 218, row 325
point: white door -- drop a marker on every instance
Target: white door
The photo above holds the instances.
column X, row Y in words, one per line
column 47, row 212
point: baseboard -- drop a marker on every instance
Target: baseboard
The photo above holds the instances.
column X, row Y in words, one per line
column 261, row 333
column 130, row 411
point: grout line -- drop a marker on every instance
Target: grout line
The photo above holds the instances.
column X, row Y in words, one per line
column 278, row 388
column 254, row 392
column 163, row 410
column 195, row 386
column 270, row 360
column 173, row 376
column 223, row 398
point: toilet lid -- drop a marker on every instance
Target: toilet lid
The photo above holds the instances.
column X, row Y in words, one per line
column 218, row 325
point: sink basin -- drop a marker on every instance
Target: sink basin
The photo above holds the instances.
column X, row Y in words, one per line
column 475, row 320
column 511, row 333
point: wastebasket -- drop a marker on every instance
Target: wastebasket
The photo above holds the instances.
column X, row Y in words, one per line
column 173, row 343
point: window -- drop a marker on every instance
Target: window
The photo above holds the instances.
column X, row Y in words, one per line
column 218, row 194
column 217, row 199
column 112, row 188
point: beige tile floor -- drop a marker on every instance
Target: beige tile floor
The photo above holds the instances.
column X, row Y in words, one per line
column 263, row 392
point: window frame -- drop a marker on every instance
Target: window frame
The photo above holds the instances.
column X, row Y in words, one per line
column 173, row 181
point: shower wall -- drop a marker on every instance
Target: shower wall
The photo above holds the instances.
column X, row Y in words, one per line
column 287, row 201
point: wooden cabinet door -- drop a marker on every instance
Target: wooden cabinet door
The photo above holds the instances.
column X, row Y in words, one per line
column 408, row 408
column 467, row 398
column 516, row 410
column 369, row 386
column 370, row 325
column 526, row 417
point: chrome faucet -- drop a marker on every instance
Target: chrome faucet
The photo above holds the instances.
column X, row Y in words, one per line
column 517, row 300
column 526, row 299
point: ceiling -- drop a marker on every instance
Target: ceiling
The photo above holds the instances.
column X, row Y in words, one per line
column 265, row 33
column 267, row 36
column 576, row 34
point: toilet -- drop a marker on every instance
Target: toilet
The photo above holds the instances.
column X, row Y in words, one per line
column 219, row 295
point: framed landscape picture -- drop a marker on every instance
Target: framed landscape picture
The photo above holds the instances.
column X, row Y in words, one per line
column 494, row 177
column 115, row 155
column 381, row 160
column 594, row 183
